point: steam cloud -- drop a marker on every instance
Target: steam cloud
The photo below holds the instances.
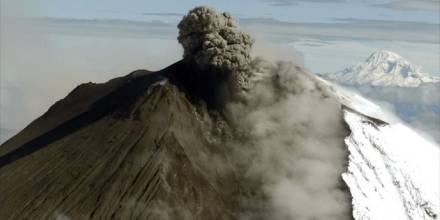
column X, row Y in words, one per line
column 294, row 143
column 288, row 130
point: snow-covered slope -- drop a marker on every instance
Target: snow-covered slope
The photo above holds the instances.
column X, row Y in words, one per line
column 358, row 103
column 384, row 68
column 393, row 173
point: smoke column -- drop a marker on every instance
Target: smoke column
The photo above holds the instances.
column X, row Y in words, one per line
column 288, row 129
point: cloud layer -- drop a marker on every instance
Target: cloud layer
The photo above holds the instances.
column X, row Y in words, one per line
column 347, row 29
column 295, row 2
column 413, row 5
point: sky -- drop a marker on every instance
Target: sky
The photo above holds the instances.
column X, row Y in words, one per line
column 48, row 47
column 397, row 22
column 283, row 10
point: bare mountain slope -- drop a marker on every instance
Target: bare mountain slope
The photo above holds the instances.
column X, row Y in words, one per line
column 137, row 151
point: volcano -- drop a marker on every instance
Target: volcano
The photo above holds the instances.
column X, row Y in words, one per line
column 204, row 138
column 217, row 135
column 124, row 149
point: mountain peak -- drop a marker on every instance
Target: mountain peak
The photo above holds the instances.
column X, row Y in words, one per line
column 383, row 55
column 384, row 68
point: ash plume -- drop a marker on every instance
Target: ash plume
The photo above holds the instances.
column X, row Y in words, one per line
column 287, row 129
column 214, row 42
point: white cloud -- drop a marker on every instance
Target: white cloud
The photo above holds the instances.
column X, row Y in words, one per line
column 346, row 29
column 295, row 2
column 414, row 5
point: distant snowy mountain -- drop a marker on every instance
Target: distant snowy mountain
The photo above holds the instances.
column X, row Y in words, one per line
column 393, row 173
column 383, row 68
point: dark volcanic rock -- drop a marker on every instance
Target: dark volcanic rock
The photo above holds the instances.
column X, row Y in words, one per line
column 135, row 147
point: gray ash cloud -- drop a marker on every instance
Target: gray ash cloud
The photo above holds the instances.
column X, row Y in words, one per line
column 213, row 40
column 287, row 129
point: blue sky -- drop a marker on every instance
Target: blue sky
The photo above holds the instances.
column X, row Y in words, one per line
column 283, row 10
column 42, row 60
